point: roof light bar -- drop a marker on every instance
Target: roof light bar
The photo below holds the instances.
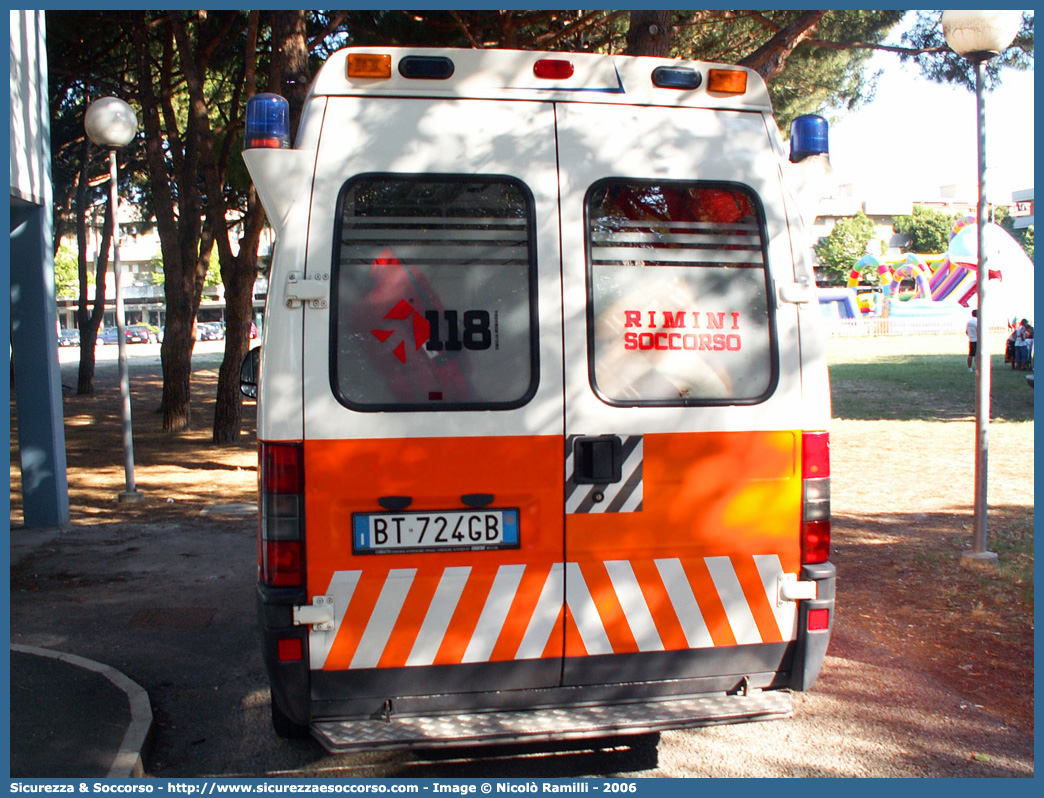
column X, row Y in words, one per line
column 727, row 81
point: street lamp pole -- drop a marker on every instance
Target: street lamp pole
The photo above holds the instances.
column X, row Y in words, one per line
column 110, row 122
column 121, row 339
column 979, row 36
column 983, row 364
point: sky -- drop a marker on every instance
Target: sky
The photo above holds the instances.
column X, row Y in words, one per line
column 917, row 135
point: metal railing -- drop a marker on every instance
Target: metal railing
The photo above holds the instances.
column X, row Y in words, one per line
column 900, row 325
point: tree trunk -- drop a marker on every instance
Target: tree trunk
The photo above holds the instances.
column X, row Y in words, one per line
column 650, row 33
column 769, row 59
column 185, row 242
column 289, row 68
column 89, row 321
column 288, row 72
column 228, row 411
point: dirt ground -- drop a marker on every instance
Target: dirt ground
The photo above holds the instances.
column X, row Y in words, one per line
column 901, row 520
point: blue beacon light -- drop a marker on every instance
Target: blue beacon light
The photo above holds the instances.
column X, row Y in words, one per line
column 267, row 122
column 808, row 136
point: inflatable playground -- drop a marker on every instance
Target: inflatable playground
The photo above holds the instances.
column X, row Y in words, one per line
column 940, row 290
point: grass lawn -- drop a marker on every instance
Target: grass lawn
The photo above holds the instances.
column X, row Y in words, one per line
column 923, row 377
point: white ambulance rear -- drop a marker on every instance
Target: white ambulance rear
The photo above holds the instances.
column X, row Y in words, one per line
column 543, row 401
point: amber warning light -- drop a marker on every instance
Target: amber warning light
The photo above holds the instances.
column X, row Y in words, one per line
column 727, row 81
column 369, row 65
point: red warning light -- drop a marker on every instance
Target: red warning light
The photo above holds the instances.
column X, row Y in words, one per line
column 553, row 69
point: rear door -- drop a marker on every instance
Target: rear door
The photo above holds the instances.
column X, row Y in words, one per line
column 433, row 402
column 683, row 495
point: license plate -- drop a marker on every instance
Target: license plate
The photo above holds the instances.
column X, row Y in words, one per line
column 442, row 530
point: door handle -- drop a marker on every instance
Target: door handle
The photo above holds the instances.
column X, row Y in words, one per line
column 597, row 460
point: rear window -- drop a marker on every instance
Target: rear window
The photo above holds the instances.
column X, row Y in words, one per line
column 678, row 294
column 434, row 301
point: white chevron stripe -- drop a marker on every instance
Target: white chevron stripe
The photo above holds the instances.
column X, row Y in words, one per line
column 629, row 593
column 577, row 498
column 385, row 614
column 494, row 613
column 542, row 624
column 437, row 619
column 341, row 589
column 585, row 613
column 731, row 594
column 679, row 591
column 634, row 459
column 771, row 569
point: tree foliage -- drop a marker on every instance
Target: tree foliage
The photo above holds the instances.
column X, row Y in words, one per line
column 1023, row 235
column 846, row 243
column 188, row 74
column 66, row 272
column 928, row 230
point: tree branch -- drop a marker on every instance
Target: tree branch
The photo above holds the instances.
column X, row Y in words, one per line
column 769, row 59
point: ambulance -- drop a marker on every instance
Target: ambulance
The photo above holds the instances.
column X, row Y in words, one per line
column 542, row 400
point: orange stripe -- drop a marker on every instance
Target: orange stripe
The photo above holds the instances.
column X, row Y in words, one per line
column 664, row 616
column 521, row 613
column 621, row 640
column 554, row 640
column 754, row 590
column 710, row 604
column 408, row 624
column 465, row 617
column 356, row 615
column 574, row 644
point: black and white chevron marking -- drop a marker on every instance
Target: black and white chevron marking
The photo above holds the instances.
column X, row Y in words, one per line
column 624, row 496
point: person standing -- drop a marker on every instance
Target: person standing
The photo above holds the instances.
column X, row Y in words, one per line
column 973, row 338
column 1023, row 336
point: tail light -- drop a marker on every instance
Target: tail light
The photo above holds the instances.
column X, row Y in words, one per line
column 281, row 526
column 815, row 509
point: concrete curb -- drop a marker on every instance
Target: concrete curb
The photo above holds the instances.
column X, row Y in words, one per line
column 129, row 759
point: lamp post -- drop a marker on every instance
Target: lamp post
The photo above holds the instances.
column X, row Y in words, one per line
column 111, row 122
column 979, row 36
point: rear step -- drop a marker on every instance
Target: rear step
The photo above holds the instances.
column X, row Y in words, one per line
column 558, row 723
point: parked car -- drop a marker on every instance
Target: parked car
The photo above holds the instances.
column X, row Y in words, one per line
column 69, row 338
column 138, row 334
column 209, row 331
column 107, row 336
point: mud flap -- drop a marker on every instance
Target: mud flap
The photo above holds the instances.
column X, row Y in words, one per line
column 812, row 646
